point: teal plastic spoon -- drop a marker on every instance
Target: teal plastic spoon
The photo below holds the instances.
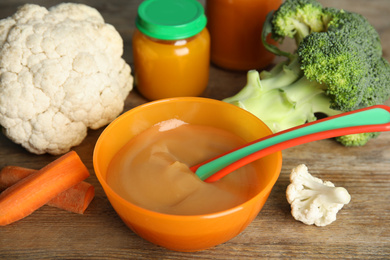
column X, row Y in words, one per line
column 371, row 119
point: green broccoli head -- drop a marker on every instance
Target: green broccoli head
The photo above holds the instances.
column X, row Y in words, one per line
column 337, row 63
column 355, row 27
column 297, row 19
column 346, row 58
column 378, row 83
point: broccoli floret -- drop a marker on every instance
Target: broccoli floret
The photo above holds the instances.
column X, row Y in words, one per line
column 356, row 139
column 346, row 58
column 296, row 19
column 379, row 83
column 353, row 26
column 337, row 67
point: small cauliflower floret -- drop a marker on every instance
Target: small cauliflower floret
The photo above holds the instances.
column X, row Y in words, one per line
column 312, row 200
column 61, row 72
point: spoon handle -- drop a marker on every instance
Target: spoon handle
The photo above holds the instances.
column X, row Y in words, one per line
column 370, row 119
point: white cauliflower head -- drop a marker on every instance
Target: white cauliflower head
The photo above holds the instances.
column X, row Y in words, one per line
column 61, row 72
column 312, row 200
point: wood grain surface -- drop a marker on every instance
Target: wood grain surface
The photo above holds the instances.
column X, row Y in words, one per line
column 362, row 229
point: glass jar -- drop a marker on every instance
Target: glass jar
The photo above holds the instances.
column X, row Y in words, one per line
column 171, row 49
column 235, row 27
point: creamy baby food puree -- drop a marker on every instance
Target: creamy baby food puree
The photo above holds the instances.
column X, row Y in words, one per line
column 152, row 170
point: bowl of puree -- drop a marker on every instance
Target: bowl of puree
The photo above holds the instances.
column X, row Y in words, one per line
column 142, row 161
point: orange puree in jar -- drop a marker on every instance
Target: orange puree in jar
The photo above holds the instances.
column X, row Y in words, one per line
column 171, row 68
column 235, row 27
column 152, row 170
column 171, row 49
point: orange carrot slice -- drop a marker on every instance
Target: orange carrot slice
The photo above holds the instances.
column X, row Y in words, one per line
column 34, row 191
column 10, row 175
column 75, row 199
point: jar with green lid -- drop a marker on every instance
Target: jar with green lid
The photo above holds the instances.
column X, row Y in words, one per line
column 171, row 49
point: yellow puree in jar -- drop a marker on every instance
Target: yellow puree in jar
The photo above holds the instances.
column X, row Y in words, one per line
column 152, row 170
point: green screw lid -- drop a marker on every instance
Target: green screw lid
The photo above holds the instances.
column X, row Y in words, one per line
column 170, row 19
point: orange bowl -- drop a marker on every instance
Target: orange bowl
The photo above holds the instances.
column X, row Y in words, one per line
column 195, row 232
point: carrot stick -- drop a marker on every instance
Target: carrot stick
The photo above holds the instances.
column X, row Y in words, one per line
column 75, row 199
column 34, row 191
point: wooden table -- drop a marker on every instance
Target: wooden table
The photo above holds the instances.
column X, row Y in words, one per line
column 362, row 229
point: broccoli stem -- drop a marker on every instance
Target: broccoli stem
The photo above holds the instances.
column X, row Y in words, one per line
column 283, row 97
column 267, row 29
column 301, row 31
column 283, row 74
